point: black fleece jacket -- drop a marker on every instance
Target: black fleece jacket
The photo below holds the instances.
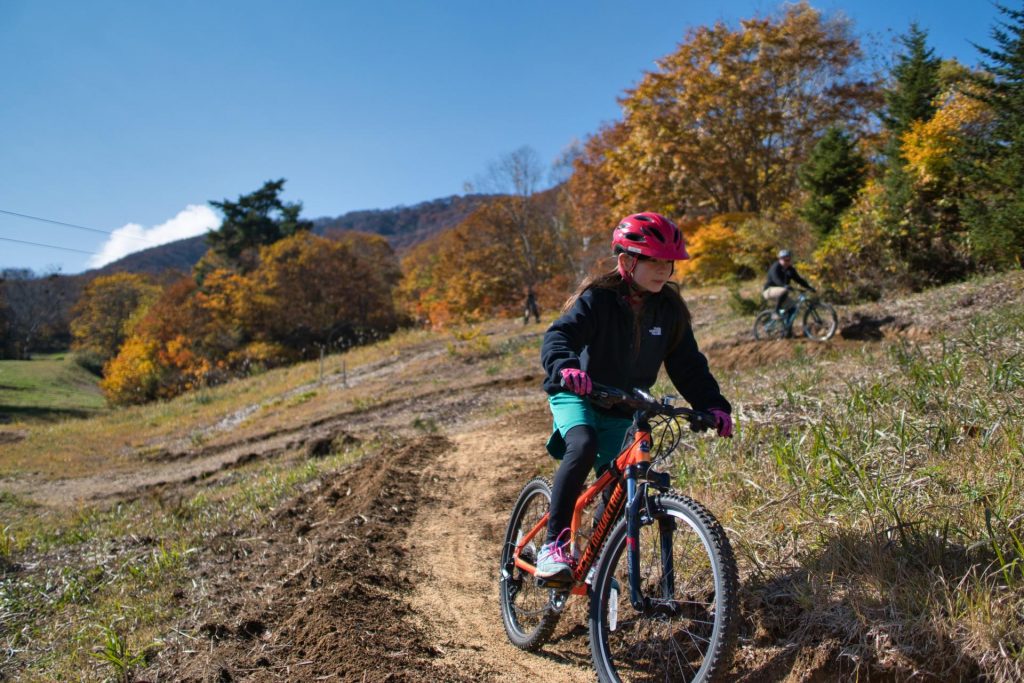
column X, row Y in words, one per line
column 597, row 335
column 780, row 276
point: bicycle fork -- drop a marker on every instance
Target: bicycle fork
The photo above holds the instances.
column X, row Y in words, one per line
column 638, row 512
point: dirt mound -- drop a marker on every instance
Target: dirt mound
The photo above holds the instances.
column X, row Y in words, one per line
column 11, row 436
column 320, row 590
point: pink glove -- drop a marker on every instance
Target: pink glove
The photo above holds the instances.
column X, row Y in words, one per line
column 723, row 422
column 576, row 381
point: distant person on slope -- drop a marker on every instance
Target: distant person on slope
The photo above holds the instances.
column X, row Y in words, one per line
column 618, row 328
column 531, row 307
column 780, row 274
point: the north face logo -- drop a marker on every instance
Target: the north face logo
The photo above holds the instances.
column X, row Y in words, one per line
column 655, row 331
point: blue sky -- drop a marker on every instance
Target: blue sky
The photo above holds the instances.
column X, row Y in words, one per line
column 129, row 117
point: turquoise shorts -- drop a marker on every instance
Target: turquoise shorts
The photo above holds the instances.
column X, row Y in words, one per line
column 570, row 410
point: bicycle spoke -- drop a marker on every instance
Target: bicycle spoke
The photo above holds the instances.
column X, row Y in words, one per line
column 677, row 637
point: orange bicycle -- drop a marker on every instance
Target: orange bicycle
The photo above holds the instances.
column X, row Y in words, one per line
column 656, row 564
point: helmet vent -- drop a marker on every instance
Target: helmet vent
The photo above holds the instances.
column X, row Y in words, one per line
column 645, row 219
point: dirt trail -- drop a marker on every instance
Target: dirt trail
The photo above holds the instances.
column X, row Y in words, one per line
column 386, row 570
column 458, row 541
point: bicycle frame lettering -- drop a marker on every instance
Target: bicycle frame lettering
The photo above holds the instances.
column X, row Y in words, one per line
column 639, row 451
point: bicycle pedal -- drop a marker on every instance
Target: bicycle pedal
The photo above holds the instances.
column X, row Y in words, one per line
column 557, row 581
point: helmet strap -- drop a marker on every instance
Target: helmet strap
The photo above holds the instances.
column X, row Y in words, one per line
column 636, row 294
column 627, row 274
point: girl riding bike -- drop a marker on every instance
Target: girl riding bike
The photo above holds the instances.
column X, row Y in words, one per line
column 617, row 329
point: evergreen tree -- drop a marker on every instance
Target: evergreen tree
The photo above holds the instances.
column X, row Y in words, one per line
column 912, row 219
column 915, row 84
column 256, row 219
column 832, row 176
column 995, row 211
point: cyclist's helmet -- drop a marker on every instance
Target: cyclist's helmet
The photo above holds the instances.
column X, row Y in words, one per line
column 785, row 253
column 651, row 235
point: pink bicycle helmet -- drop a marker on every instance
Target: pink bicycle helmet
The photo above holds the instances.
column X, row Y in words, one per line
column 651, row 235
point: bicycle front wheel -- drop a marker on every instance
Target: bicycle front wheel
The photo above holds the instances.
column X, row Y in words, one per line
column 686, row 629
column 820, row 322
column 529, row 612
column 768, row 326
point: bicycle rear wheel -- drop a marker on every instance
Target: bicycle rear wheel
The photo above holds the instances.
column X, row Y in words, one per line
column 768, row 326
column 820, row 322
column 529, row 612
column 688, row 580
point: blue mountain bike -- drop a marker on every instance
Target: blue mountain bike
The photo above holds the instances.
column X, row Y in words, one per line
column 819, row 320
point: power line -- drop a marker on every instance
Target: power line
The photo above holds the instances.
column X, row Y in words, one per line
column 71, row 225
column 49, row 246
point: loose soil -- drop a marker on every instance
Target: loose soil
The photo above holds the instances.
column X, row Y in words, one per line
column 387, row 569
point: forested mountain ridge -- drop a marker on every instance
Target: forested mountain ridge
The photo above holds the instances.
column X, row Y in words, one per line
column 402, row 226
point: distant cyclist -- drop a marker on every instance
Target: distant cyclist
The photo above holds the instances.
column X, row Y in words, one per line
column 780, row 274
column 618, row 328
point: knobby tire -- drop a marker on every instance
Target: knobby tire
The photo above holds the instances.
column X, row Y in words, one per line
column 766, row 326
column 690, row 635
column 820, row 322
column 527, row 610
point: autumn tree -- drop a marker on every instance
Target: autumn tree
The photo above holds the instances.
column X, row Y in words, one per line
column 727, row 119
column 104, row 313
column 174, row 347
column 515, row 178
column 37, row 309
column 587, row 194
column 915, row 219
column 475, row 269
column 310, row 291
column 255, row 220
column 831, row 177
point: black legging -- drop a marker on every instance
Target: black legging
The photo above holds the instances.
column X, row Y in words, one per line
column 580, row 455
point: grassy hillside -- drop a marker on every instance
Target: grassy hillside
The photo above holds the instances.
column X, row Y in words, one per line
column 872, row 491
column 47, row 387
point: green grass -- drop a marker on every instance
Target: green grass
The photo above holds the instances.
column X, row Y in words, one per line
column 872, row 494
column 48, row 387
column 877, row 499
column 109, row 581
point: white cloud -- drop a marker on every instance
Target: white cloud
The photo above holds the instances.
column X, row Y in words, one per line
column 194, row 220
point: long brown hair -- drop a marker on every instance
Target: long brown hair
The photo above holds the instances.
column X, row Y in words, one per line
column 613, row 280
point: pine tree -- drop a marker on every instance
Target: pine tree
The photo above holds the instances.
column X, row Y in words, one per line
column 910, row 216
column 995, row 212
column 832, row 176
column 915, row 84
column 256, row 219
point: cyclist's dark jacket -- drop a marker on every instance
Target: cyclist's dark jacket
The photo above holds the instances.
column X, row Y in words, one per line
column 780, row 276
column 597, row 335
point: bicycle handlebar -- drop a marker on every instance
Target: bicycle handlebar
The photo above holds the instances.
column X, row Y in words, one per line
column 641, row 401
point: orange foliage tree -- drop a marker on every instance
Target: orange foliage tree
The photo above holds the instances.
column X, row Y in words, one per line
column 477, row 268
column 174, row 347
column 310, row 291
column 726, row 120
column 306, row 292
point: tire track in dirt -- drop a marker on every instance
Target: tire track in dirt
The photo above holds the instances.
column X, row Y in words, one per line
column 458, row 540
column 318, row 590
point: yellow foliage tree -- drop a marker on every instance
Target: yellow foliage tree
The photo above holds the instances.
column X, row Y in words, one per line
column 712, row 250
column 728, row 117
column 931, row 147
column 856, row 260
column 105, row 312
